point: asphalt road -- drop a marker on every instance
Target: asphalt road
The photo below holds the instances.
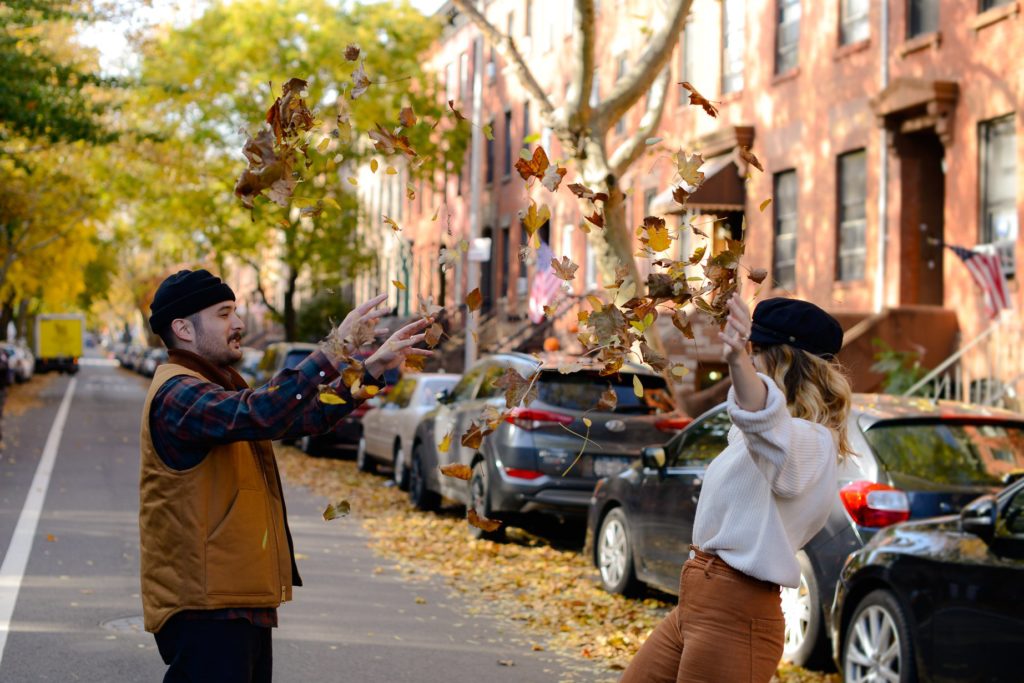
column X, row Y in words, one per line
column 77, row 611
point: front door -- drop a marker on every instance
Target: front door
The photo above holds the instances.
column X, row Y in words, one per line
column 922, row 209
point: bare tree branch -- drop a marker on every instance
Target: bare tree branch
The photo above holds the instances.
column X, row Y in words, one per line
column 578, row 95
column 631, row 87
column 630, row 150
column 507, row 48
column 259, row 288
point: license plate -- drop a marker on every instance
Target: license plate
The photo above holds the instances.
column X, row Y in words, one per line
column 608, row 466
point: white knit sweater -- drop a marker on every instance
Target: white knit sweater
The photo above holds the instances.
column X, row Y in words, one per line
column 769, row 492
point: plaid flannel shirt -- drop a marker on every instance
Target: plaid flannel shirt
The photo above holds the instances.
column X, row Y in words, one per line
column 189, row 415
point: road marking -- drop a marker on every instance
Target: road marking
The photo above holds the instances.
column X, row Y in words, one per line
column 13, row 569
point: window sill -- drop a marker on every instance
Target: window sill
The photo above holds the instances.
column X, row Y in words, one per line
column 844, row 51
column 919, row 43
column 994, row 15
column 785, row 76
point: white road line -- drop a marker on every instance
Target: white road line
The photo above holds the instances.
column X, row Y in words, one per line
column 13, row 569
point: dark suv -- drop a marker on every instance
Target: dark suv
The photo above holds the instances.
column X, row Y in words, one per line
column 537, row 460
column 914, row 459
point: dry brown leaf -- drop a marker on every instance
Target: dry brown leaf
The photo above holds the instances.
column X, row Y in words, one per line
column 699, row 100
column 749, row 157
column 473, row 437
column 407, row 117
column 564, row 269
column 457, row 470
column 474, row 300
column 518, row 389
column 488, row 525
column 351, row 52
column 609, row 399
column 757, row 275
column 432, row 335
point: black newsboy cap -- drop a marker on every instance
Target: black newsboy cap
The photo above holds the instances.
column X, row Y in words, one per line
column 184, row 293
column 797, row 323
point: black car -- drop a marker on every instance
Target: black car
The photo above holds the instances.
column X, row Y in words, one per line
column 914, row 459
column 937, row 600
column 537, row 460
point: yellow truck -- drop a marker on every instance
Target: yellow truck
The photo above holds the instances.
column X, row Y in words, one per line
column 59, row 341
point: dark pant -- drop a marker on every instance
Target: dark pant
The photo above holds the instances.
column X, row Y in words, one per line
column 727, row 628
column 215, row 651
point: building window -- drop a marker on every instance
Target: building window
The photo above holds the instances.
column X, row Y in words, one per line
column 492, row 65
column 992, row 4
column 490, row 155
column 449, row 82
column 733, row 23
column 787, row 35
column 528, row 17
column 853, row 21
column 852, row 242
column 923, row 17
column 463, row 75
column 999, row 180
column 688, row 57
column 526, row 122
column 508, row 144
column 784, row 252
column 620, row 71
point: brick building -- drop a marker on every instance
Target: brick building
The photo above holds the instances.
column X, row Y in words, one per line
column 886, row 127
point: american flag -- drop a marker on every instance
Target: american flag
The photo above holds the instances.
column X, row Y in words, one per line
column 545, row 284
column 988, row 274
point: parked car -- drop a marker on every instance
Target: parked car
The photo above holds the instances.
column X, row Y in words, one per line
column 537, row 459
column 133, row 356
column 151, row 360
column 279, row 356
column 914, row 459
column 388, row 430
column 937, row 600
column 20, row 361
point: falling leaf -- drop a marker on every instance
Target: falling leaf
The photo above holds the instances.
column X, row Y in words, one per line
column 458, row 114
column 597, row 219
column 518, row 389
column 524, row 253
column 474, row 299
column 553, row 177
column 446, row 443
column 351, row 52
column 535, row 218
column 389, row 142
column 535, row 166
column 407, row 117
column 699, row 100
column 584, row 192
column 360, row 81
column 373, row 165
column 764, row 204
column 757, row 275
column 488, row 525
column 391, row 170
column 638, row 387
column 688, row 169
column 432, row 335
column 564, row 269
column 336, row 510
column 457, row 470
column 473, row 437
column 323, row 145
column 331, row 398
column 353, row 181
column 398, row 284
column 587, row 422
column 390, row 221
column 749, row 157
column 609, row 399
column 488, row 132
column 658, row 238
column 549, row 311
column 680, row 370
column 680, row 195
column 331, row 202
column 448, row 258
column 652, row 141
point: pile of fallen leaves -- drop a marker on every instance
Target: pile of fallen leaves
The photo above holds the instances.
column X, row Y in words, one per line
column 554, row 594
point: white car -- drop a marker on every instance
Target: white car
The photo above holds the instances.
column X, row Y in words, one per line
column 20, row 360
column 388, row 430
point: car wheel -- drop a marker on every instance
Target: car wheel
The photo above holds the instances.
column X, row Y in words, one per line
column 363, row 461
column 878, row 644
column 421, row 497
column 805, row 644
column 479, row 500
column 308, row 446
column 400, row 468
column 615, row 555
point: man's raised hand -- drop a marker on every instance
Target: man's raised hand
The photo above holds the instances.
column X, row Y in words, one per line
column 398, row 347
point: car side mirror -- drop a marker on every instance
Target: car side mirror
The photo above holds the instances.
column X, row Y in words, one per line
column 444, row 397
column 653, row 457
column 979, row 517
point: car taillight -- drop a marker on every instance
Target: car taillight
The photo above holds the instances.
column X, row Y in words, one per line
column 517, row 473
column 875, row 505
column 531, row 418
column 672, row 424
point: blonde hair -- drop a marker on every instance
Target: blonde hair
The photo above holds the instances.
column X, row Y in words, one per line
column 816, row 389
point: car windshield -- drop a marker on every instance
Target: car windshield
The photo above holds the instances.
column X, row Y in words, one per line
column 949, row 453
column 582, row 391
column 292, row 360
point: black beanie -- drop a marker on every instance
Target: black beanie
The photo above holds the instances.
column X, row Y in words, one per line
column 797, row 323
column 184, row 293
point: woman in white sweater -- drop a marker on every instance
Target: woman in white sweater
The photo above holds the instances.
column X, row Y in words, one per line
column 763, row 498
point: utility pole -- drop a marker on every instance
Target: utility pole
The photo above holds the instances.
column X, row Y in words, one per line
column 475, row 182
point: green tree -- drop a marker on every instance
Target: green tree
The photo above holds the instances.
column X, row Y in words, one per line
column 206, row 82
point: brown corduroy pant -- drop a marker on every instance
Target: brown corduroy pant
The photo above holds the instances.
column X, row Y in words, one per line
column 727, row 628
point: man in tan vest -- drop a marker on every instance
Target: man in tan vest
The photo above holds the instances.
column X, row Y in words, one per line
column 216, row 552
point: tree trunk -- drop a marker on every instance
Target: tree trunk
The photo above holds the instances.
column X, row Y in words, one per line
column 290, row 319
column 6, row 316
